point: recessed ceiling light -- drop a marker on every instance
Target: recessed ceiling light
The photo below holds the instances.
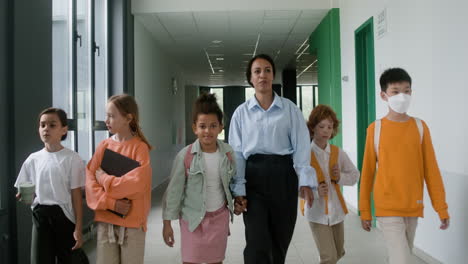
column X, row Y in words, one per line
column 219, row 59
column 216, row 41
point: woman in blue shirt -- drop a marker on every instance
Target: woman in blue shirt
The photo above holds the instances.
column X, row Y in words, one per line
column 272, row 148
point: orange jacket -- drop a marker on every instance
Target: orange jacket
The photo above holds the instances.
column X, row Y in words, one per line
column 135, row 185
column 404, row 164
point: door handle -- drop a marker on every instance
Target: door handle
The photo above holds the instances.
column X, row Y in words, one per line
column 77, row 37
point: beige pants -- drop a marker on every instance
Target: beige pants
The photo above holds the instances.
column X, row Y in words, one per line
column 126, row 249
column 329, row 241
column 399, row 234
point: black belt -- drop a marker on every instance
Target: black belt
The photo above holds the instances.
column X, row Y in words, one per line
column 269, row 157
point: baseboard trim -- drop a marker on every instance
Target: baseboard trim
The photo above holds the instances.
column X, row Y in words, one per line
column 163, row 184
column 425, row 257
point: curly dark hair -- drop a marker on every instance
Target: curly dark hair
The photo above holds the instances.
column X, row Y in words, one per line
column 206, row 104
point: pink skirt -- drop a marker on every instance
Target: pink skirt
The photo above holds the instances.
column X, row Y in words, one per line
column 207, row 243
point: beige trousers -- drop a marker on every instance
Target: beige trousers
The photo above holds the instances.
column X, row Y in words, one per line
column 119, row 245
column 399, row 234
column 329, row 241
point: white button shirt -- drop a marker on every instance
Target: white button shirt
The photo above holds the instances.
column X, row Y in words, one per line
column 349, row 176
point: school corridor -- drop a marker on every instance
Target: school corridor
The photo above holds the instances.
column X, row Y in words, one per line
column 361, row 247
column 75, row 54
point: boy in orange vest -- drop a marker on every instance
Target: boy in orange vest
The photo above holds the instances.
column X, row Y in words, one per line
column 334, row 169
column 402, row 147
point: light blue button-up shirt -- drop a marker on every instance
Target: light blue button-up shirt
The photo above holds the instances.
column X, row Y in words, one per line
column 280, row 130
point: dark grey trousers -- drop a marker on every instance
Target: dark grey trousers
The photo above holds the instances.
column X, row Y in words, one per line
column 272, row 195
column 52, row 236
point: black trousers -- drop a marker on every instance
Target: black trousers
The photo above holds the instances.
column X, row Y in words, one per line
column 272, row 193
column 52, row 238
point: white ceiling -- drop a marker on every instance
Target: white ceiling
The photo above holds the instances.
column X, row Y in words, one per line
column 229, row 38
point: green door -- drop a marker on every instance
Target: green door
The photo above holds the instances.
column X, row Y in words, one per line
column 365, row 85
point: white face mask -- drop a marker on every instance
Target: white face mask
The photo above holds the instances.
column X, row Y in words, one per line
column 399, row 103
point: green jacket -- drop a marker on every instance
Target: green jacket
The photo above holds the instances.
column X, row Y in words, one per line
column 185, row 196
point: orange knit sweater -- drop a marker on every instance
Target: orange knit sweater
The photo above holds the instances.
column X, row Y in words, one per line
column 404, row 164
column 135, row 185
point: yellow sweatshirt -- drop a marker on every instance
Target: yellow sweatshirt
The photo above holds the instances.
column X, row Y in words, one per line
column 404, row 164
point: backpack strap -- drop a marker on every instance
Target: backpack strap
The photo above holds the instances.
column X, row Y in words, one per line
column 188, row 159
column 420, row 127
column 334, row 153
column 378, row 125
column 229, row 156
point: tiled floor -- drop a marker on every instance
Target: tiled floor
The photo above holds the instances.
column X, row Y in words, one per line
column 361, row 247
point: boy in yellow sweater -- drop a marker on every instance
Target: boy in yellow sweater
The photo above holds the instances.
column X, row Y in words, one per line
column 401, row 145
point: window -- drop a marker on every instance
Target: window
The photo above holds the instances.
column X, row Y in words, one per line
column 80, row 70
column 101, row 87
column 307, row 98
column 219, row 98
column 100, row 57
column 83, row 74
column 62, row 62
column 249, row 93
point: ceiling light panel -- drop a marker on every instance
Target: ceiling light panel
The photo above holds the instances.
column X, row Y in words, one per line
column 238, row 30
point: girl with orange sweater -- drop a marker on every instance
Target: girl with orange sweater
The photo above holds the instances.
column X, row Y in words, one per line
column 121, row 239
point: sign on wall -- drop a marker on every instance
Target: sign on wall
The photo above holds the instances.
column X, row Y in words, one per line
column 381, row 23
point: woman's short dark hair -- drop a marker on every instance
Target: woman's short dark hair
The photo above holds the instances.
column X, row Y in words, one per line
column 206, row 104
column 60, row 114
column 248, row 71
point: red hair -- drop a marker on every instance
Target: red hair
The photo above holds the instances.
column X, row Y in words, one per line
column 319, row 113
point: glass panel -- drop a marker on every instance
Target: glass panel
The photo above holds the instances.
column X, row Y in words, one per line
column 100, row 136
column 316, row 98
column 219, row 98
column 298, row 97
column 62, row 56
column 100, row 56
column 307, row 101
column 249, row 93
column 69, row 142
column 83, row 77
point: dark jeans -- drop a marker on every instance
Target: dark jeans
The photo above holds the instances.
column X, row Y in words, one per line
column 52, row 236
column 272, row 193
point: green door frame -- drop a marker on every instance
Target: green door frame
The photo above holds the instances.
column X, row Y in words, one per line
column 324, row 42
column 365, row 87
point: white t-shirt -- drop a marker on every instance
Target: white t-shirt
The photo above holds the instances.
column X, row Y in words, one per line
column 55, row 174
column 215, row 197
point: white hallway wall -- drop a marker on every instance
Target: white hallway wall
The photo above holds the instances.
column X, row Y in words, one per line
column 429, row 40
column 162, row 112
